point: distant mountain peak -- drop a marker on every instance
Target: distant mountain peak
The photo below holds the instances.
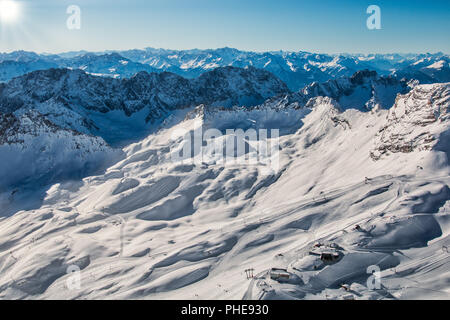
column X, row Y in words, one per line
column 359, row 77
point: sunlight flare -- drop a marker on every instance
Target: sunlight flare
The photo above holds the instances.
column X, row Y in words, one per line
column 9, row 11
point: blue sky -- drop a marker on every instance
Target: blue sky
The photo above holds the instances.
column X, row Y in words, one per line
column 329, row 26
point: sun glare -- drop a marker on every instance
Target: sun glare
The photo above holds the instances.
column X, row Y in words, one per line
column 9, row 11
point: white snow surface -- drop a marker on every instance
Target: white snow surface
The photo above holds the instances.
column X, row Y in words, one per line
column 151, row 228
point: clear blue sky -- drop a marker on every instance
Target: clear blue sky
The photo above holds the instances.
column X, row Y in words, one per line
column 318, row 26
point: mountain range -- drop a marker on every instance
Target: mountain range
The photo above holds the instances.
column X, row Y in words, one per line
column 358, row 177
column 296, row 69
column 114, row 112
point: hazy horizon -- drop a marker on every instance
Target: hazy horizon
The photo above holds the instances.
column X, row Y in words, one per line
column 107, row 51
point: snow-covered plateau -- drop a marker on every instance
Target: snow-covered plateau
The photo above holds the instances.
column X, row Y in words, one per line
column 356, row 207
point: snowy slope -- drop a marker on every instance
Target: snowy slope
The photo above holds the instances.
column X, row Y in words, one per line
column 154, row 228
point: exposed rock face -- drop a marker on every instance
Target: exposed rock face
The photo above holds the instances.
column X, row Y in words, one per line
column 364, row 90
column 415, row 121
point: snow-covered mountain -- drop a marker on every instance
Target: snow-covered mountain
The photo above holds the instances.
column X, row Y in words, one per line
column 18, row 63
column 345, row 195
column 110, row 65
column 117, row 109
column 106, row 65
column 364, row 89
column 122, row 110
column 427, row 70
column 35, row 151
column 58, row 114
column 296, row 69
column 11, row 69
column 20, row 56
